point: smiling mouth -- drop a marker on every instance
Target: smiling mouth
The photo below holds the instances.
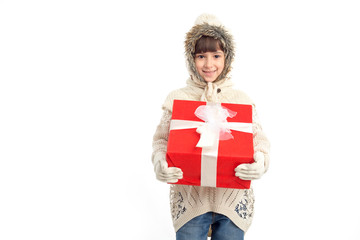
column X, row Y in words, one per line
column 209, row 72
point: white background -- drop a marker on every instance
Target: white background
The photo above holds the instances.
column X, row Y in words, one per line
column 82, row 83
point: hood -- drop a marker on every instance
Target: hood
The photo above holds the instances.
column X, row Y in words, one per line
column 208, row 25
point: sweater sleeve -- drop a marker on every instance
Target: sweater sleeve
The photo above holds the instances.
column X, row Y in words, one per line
column 261, row 143
column 160, row 138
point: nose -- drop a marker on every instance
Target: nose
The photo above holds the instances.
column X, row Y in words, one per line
column 208, row 62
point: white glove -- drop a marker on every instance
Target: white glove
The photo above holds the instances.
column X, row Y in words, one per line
column 252, row 171
column 164, row 173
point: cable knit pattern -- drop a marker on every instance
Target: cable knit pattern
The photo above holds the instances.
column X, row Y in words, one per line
column 261, row 143
column 160, row 138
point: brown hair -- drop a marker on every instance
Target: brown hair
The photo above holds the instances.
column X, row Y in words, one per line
column 208, row 44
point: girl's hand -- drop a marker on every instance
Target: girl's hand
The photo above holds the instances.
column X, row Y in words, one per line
column 252, row 171
column 167, row 174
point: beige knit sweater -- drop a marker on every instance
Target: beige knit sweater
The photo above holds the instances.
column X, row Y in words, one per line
column 187, row 202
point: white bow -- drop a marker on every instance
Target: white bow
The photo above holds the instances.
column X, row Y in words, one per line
column 215, row 126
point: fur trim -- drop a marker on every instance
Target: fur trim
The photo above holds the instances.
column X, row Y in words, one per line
column 212, row 30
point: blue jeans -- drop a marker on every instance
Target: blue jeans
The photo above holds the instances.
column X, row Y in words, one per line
column 222, row 228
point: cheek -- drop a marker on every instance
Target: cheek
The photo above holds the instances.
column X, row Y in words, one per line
column 198, row 65
column 221, row 65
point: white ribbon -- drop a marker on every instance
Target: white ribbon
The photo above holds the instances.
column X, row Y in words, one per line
column 212, row 130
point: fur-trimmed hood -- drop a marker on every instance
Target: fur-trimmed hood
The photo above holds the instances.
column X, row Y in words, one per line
column 208, row 25
column 197, row 89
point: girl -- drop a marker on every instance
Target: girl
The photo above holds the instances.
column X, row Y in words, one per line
column 209, row 51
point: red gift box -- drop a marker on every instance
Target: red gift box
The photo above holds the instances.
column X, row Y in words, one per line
column 210, row 166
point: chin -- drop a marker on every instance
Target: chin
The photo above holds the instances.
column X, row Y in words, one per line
column 209, row 79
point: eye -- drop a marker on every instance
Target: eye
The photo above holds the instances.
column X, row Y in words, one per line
column 217, row 56
column 200, row 56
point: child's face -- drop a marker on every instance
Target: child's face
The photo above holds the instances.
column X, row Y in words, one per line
column 210, row 64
